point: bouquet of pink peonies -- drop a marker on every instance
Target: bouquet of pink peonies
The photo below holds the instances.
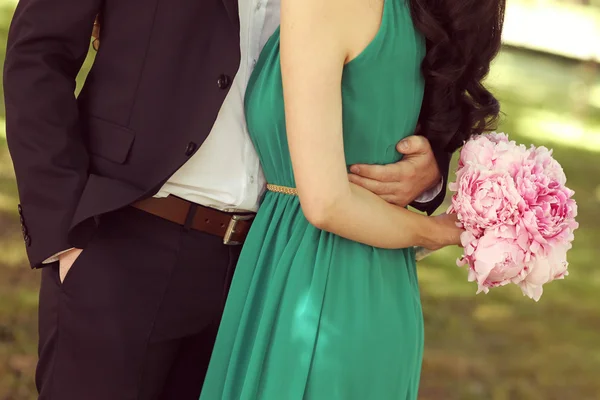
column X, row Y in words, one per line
column 517, row 213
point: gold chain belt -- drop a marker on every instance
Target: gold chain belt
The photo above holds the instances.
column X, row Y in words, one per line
column 282, row 189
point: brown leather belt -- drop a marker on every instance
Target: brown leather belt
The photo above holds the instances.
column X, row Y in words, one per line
column 233, row 228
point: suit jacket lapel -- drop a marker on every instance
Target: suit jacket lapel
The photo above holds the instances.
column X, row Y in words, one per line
column 232, row 9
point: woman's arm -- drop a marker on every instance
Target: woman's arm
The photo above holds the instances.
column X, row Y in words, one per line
column 316, row 40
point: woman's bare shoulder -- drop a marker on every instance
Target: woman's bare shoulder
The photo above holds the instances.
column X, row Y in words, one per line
column 353, row 23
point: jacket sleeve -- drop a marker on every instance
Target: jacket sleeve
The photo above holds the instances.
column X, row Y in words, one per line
column 443, row 159
column 47, row 43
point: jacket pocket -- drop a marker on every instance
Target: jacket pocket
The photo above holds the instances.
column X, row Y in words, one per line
column 108, row 140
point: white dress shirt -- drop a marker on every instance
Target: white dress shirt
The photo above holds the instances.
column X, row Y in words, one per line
column 225, row 172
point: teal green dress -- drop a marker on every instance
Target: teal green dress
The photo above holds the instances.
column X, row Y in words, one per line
column 311, row 315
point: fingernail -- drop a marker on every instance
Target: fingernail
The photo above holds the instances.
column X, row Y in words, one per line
column 404, row 145
column 354, row 169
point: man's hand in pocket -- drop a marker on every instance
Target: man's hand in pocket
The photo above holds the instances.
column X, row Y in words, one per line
column 66, row 261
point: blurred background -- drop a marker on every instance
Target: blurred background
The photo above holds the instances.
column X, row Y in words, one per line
column 499, row 346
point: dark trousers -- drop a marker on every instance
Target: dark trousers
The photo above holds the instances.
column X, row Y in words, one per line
column 137, row 315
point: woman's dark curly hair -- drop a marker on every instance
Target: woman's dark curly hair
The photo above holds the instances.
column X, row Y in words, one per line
column 463, row 37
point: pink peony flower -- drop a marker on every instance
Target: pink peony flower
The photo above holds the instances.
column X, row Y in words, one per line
column 550, row 167
column 497, row 257
column 518, row 215
column 484, row 198
column 548, row 210
column 492, row 150
column 477, row 151
column 480, row 149
column 543, row 270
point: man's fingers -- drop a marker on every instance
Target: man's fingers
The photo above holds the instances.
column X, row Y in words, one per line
column 387, row 191
column 401, row 171
column 414, row 145
column 379, row 188
column 381, row 173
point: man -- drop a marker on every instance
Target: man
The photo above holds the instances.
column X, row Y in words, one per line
column 151, row 173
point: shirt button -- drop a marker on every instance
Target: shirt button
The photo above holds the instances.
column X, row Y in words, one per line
column 224, row 81
column 251, row 179
column 191, row 147
column 258, row 5
column 253, row 63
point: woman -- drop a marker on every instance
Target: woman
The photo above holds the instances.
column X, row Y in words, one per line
column 325, row 300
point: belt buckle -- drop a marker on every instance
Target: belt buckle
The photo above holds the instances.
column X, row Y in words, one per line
column 231, row 228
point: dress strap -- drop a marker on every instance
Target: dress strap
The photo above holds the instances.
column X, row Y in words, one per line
column 282, row 189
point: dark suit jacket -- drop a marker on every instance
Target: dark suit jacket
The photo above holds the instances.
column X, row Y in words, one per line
column 154, row 91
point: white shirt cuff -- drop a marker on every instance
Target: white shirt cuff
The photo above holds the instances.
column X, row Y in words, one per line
column 54, row 258
column 430, row 194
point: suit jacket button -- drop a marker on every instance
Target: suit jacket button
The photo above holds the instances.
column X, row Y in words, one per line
column 191, row 147
column 224, row 81
column 20, row 209
column 27, row 240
